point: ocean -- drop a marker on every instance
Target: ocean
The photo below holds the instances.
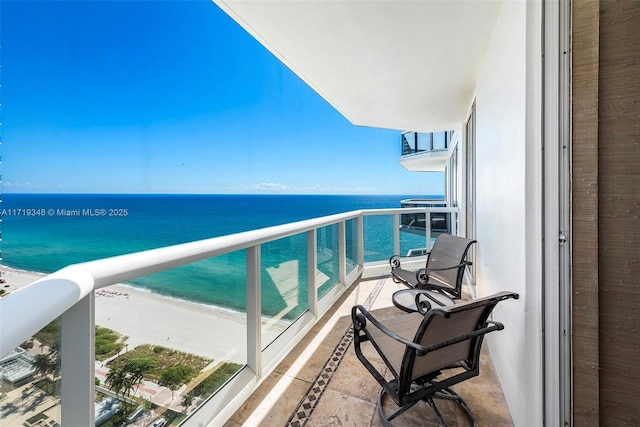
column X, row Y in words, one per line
column 46, row 232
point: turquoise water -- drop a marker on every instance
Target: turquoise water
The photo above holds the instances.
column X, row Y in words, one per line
column 47, row 232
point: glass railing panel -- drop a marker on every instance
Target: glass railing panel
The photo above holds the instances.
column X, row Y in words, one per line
column 409, row 143
column 378, row 237
column 415, row 142
column 440, row 223
column 30, row 380
column 351, row 242
column 168, row 338
column 284, row 267
column 412, row 242
column 440, row 140
column 414, row 223
column 186, row 327
column 327, row 273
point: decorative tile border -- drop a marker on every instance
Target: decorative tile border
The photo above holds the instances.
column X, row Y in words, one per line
column 303, row 411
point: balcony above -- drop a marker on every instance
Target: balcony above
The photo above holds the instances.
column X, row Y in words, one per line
column 426, row 152
column 427, row 161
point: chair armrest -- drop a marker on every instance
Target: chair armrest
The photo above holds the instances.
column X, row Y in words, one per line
column 462, row 264
column 491, row 326
column 394, row 261
column 424, row 306
column 360, row 324
column 422, row 274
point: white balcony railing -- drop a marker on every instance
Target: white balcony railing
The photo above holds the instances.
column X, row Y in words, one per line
column 70, row 293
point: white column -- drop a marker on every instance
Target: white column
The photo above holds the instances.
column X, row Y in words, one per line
column 77, row 357
column 396, row 234
column 342, row 252
column 360, row 220
column 312, row 266
column 254, row 309
column 427, row 229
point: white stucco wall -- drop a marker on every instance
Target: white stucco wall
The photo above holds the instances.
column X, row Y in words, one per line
column 508, row 204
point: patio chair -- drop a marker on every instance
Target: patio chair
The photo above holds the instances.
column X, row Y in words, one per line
column 444, row 271
column 426, row 354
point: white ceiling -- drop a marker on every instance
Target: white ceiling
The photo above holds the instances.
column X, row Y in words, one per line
column 406, row 65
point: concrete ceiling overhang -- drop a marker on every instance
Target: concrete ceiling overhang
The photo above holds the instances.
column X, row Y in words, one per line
column 406, row 65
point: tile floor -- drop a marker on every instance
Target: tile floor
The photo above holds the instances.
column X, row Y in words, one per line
column 322, row 383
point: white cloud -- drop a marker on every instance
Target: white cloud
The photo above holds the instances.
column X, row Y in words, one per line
column 333, row 189
column 27, row 186
column 273, row 187
column 268, row 186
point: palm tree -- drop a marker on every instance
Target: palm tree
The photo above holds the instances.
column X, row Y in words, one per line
column 42, row 364
column 137, row 367
column 54, row 351
column 187, row 400
column 118, row 381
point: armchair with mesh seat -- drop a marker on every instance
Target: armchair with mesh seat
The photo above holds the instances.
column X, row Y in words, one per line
column 444, row 270
column 426, row 354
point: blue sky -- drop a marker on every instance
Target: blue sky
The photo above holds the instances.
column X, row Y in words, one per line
column 172, row 97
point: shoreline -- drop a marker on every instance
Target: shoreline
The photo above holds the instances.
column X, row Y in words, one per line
column 146, row 317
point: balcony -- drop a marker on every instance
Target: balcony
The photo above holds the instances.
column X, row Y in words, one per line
column 426, row 152
column 416, row 222
column 294, row 392
column 332, row 259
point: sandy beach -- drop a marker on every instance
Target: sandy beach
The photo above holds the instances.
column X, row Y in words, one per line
column 148, row 318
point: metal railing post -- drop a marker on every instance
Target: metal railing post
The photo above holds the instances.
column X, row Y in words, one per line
column 396, row 234
column 77, row 357
column 342, row 252
column 312, row 267
column 360, row 226
column 427, row 228
column 254, row 309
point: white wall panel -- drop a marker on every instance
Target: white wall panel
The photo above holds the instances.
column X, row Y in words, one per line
column 508, row 216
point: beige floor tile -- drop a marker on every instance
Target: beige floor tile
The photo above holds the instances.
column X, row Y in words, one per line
column 263, row 409
column 352, row 378
column 337, row 409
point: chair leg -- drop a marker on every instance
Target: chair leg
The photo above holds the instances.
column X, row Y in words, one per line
column 449, row 394
column 436, row 411
column 445, row 394
column 386, row 420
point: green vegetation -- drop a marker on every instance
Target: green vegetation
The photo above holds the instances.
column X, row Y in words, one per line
column 45, row 364
column 173, row 417
column 187, row 400
column 122, row 379
column 174, row 376
column 216, row 379
column 48, row 386
column 50, row 334
column 159, row 349
column 140, row 365
column 108, row 343
column 36, row 418
column 27, row 345
column 163, row 357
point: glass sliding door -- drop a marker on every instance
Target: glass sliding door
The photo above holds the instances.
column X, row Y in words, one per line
column 470, row 185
